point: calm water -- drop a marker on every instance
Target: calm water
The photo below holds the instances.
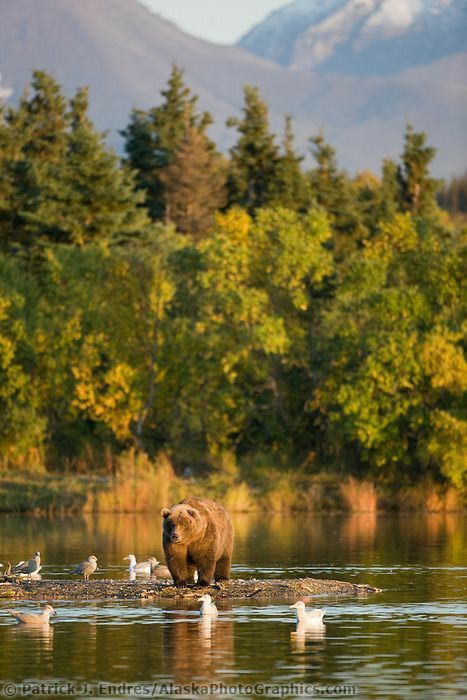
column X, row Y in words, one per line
column 409, row 641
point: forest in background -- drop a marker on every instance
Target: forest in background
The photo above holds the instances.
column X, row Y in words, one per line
column 220, row 310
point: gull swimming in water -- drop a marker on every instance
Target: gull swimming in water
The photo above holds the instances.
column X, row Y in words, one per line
column 34, row 619
column 305, row 618
column 87, row 567
column 28, row 568
column 208, row 607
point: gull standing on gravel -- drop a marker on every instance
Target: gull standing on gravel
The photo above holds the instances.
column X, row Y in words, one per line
column 208, row 608
column 142, row 567
column 305, row 618
column 87, row 567
column 34, row 619
column 160, row 571
column 28, row 568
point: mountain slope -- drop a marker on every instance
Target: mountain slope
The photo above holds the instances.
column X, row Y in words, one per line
column 360, row 37
column 124, row 52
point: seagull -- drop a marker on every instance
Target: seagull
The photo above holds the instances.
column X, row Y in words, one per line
column 160, row 571
column 28, row 568
column 87, row 567
column 208, row 607
column 143, row 567
column 314, row 617
column 34, row 619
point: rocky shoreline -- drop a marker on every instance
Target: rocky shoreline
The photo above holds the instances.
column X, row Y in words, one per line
column 114, row 589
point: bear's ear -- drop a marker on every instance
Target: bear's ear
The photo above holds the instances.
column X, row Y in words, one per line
column 165, row 512
column 193, row 512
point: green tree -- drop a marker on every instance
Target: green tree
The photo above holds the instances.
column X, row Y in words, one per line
column 106, row 310
column 332, row 191
column 21, row 425
column 33, row 149
column 254, row 158
column 392, row 396
column 153, row 136
column 59, row 182
column 292, row 187
column 417, row 187
column 249, row 331
column 100, row 201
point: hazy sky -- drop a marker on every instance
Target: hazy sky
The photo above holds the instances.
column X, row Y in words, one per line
column 222, row 21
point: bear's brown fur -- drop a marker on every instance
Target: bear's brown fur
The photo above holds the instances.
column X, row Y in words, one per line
column 197, row 535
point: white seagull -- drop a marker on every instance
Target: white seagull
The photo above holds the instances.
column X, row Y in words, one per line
column 208, row 607
column 309, row 619
column 142, row 567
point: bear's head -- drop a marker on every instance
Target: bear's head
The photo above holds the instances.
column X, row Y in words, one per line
column 182, row 523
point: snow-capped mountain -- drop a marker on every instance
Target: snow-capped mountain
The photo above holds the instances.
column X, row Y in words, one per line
column 360, row 37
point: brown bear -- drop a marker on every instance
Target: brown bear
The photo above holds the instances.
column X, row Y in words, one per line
column 197, row 535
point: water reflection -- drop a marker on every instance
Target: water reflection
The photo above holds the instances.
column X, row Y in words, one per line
column 197, row 648
column 42, row 636
column 408, row 641
column 303, row 635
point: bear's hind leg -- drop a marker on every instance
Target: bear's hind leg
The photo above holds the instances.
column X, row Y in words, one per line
column 222, row 571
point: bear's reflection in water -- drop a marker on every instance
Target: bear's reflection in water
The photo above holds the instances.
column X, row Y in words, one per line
column 195, row 648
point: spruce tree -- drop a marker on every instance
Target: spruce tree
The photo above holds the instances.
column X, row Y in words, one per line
column 332, row 191
column 33, row 140
column 101, row 199
column 58, row 181
column 152, row 137
column 255, row 157
column 417, row 187
column 292, row 188
column 194, row 184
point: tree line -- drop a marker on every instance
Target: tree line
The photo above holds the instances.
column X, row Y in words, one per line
column 182, row 300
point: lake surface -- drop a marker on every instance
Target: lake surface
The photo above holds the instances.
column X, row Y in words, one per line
column 408, row 641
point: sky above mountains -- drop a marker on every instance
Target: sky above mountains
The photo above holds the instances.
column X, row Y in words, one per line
column 220, row 21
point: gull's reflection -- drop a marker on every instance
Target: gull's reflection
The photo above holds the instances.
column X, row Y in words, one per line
column 205, row 630
column 306, row 634
column 196, row 648
column 43, row 635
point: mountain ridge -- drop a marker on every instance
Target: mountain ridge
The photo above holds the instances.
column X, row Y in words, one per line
column 360, row 37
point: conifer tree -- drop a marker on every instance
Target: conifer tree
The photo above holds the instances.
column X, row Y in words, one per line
column 152, row 137
column 194, row 183
column 254, row 158
column 33, row 144
column 101, row 198
column 332, row 191
column 292, row 189
column 417, row 188
column 58, row 181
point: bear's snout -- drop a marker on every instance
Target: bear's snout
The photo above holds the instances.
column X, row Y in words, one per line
column 175, row 537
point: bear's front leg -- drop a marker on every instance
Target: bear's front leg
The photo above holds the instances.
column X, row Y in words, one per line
column 206, row 572
column 177, row 562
